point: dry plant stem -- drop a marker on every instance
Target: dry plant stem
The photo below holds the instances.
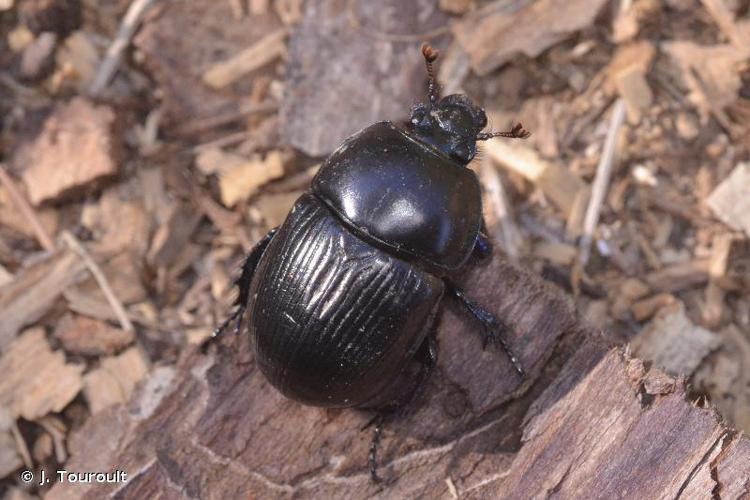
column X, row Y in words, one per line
column 26, row 209
column 124, row 34
column 203, row 125
column 493, row 184
column 21, row 446
column 117, row 306
column 601, row 182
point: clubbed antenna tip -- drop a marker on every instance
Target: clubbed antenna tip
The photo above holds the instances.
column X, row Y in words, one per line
column 429, row 53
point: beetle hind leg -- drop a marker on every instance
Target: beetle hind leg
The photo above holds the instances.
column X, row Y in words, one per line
column 243, row 284
column 426, row 356
column 492, row 329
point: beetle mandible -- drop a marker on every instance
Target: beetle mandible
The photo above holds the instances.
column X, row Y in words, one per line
column 343, row 296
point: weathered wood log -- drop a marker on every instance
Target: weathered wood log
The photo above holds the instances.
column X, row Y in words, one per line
column 588, row 422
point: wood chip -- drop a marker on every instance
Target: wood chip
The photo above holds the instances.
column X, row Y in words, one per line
column 680, row 276
column 728, row 251
column 275, row 207
column 10, row 459
column 132, row 232
column 635, row 91
column 171, row 237
column 77, row 61
column 556, row 182
column 91, row 337
column 725, row 19
column 456, row 6
column 646, row 308
column 75, row 149
column 673, row 342
column 628, row 292
column 114, row 381
column 5, row 276
column 19, row 38
column 625, row 25
column 264, row 51
column 35, row 290
column 36, row 379
column 727, row 379
column 37, row 58
column 730, row 201
column 240, row 177
column 711, row 73
column 177, row 64
column 558, row 253
column 496, row 33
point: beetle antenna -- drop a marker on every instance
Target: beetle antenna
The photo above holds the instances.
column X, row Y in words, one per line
column 517, row 132
column 430, row 54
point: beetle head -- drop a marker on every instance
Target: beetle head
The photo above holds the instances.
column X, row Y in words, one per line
column 452, row 124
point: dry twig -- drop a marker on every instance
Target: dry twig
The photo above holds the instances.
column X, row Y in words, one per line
column 601, row 182
column 25, row 208
column 112, row 59
column 117, row 307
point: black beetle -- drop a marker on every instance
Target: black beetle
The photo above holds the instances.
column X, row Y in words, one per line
column 343, row 296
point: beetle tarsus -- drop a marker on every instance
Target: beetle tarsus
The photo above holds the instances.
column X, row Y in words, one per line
column 378, row 420
column 483, row 247
column 492, row 329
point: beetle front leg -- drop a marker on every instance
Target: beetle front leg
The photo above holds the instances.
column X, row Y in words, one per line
column 492, row 329
column 243, row 283
column 483, row 245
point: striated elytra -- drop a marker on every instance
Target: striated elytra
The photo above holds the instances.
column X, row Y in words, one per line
column 342, row 297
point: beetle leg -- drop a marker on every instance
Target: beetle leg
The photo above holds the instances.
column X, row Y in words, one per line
column 483, row 245
column 243, row 283
column 378, row 421
column 427, row 357
column 493, row 330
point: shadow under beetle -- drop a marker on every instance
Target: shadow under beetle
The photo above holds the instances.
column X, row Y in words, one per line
column 343, row 295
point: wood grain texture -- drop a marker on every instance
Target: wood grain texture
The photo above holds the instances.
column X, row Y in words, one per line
column 588, row 422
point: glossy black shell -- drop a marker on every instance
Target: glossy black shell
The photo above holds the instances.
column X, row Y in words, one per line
column 349, row 286
column 333, row 318
column 403, row 194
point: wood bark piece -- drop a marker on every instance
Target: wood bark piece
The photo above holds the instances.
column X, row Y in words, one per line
column 349, row 67
column 178, row 68
column 267, row 49
column 38, row 57
column 556, row 182
column 711, row 73
column 36, row 380
column 680, row 276
column 35, row 290
column 114, row 381
column 498, row 32
column 75, row 148
column 240, row 177
column 587, row 422
column 673, row 342
column 730, row 201
column 91, row 337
